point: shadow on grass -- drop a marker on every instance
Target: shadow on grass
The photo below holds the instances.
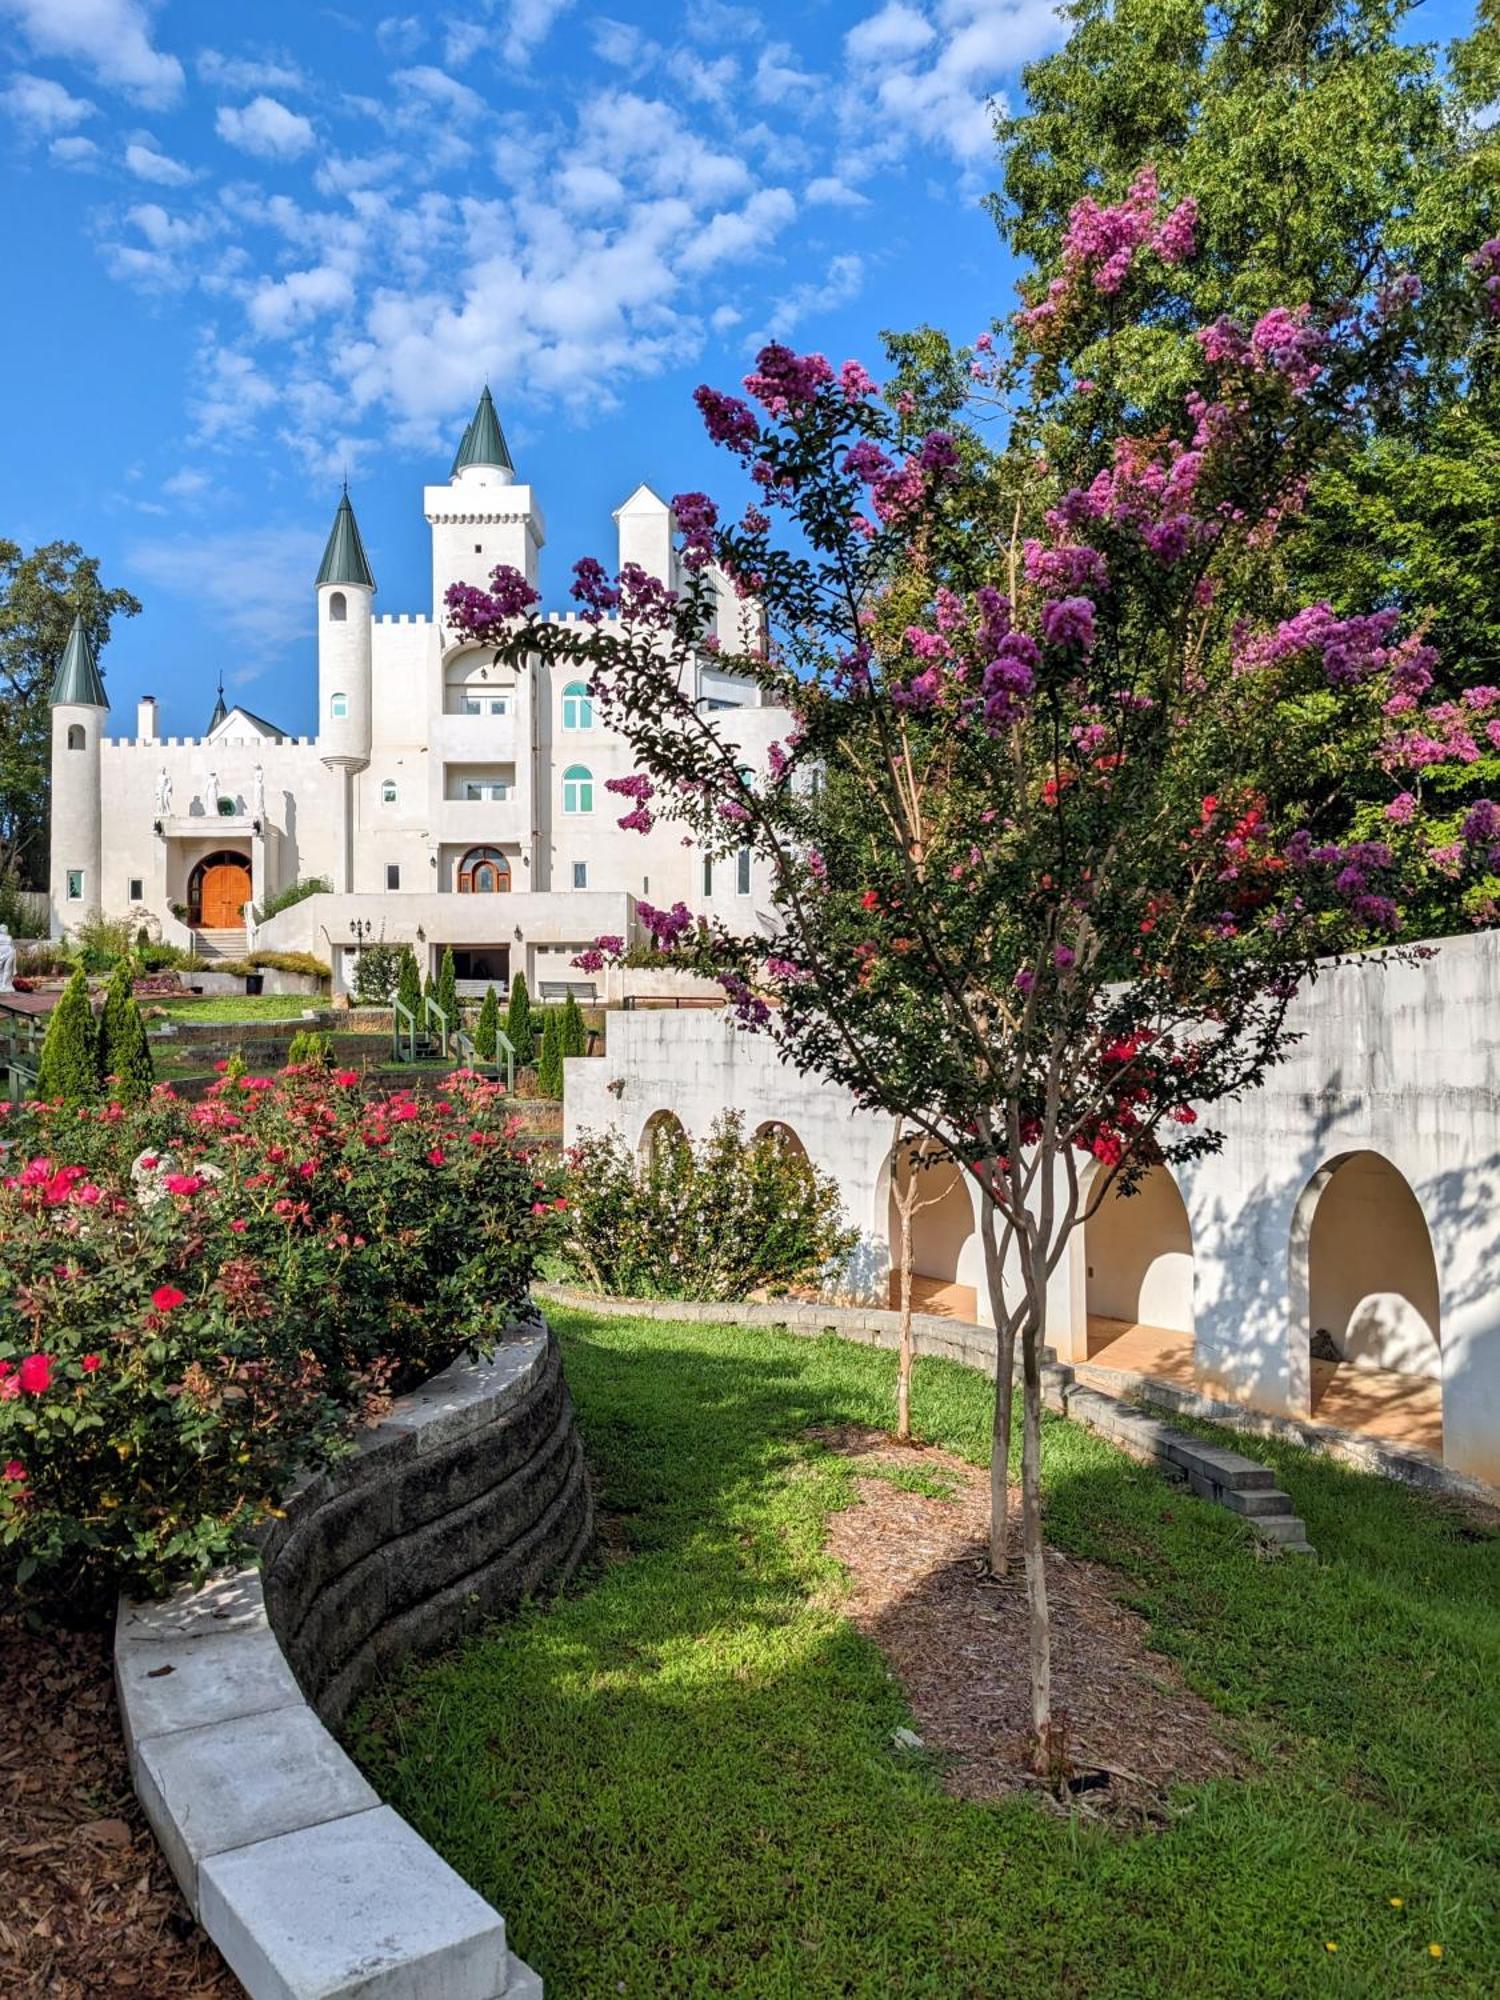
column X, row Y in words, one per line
column 681, row 1779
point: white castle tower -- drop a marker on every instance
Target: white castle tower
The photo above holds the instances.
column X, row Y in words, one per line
column 481, row 518
column 79, row 708
column 346, row 589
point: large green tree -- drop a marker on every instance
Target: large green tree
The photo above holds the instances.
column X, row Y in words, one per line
column 41, row 593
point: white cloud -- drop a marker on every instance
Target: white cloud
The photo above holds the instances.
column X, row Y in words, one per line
column 777, row 79
column 346, row 174
column 280, row 305
column 186, row 484
column 829, row 191
column 111, row 38
column 932, row 81
column 622, row 45
column 400, row 34
column 435, row 87
column 529, row 23
column 233, row 394
column 265, row 128
column 840, row 284
column 144, row 159
column 75, row 152
column 241, row 73
column 164, row 231
column 42, row 108
column 740, row 233
column 896, row 32
column 252, row 585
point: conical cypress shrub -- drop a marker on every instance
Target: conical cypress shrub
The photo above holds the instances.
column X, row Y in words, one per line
column 69, row 1067
column 124, row 1052
column 486, row 1029
column 549, row 1070
column 575, row 1036
column 518, row 1022
column 409, row 981
column 447, row 991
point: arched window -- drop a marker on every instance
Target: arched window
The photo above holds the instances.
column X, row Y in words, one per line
column 484, row 871
column 338, row 706
column 338, row 609
column 578, row 706
column 578, row 789
column 77, row 736
column 388, row 792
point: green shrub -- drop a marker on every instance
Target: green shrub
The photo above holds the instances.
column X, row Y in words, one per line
column 310, row 1047
column 575, row 1036
column 214, row 1296
column 719, row 1220
column 290, row 961
column 447, row 991
column 375, row 974
column 409, row 983
column 518, row 1023
column 487, row 1027
column 69, row 1072
column 124, row 1057
column 549, row 1069
column 100, row 942
column 296, row 892
column 17, row 912
column 39, row 961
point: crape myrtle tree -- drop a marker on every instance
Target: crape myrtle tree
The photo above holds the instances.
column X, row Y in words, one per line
column 1034, row 898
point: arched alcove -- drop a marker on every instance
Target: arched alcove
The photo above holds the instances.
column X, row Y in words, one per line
column 661, row 1129
column 1370, row 1302
column 1138, row 1263
column 946, row 1255
column 775, row 1132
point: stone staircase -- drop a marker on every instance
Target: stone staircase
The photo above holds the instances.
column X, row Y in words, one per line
column 1242, row 1485
column 209, row 945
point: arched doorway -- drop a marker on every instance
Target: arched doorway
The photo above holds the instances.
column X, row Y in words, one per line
column 1138, row 1261
column 218, row 890
column 775, row 1133
column 484, row 871
column 1373, row 1313
column 946, row 1254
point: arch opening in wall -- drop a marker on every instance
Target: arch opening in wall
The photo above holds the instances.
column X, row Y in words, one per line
column 77, row 736
column 338, row 607
column 663, row 1129
column 1373, row 1311
column 219, row 887
column 775, row 1133
column 945, row 1264
column 1138, row 1263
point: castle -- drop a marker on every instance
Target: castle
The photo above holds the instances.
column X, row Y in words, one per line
column 446, row 801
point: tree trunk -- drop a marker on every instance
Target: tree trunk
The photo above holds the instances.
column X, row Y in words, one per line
column 1049, row 1753
column 904, row 1356
column 1005, row 1375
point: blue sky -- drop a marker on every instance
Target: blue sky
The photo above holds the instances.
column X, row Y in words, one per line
column 239, row 263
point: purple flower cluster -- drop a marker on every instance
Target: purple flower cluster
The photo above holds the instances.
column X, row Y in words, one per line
column 645, row 599
column 593, row 589
column 697, row 518
column 784, row 383
column 666, row 928
column 1061, row 571
column 750, row 1010
column 727, row 420
column 856, row 384
column 1485, row 264
column 1351, row 865
column 1068, row 622
column 1010, row 679
column 639, row 819
column 509, row 596
column 1282, row 342
column 1102, row 243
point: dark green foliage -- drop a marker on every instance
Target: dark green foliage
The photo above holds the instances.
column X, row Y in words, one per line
column 719, row 1220
column 124, row 1057
column 575, row 1036
column 294, row 893
column 311, row 1047
column 69, row 1068
column 707, row 1686
column 518, row 1022
column 375, row 973
column 549, row 1069
column 487, row 1027
column 447, row 991
column 409, row 983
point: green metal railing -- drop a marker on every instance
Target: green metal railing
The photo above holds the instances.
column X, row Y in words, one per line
column 408, row 1028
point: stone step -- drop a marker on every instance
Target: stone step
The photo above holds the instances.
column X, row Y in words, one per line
column 1250, row 1500
column 1286, row 1530
column 1224, row 1468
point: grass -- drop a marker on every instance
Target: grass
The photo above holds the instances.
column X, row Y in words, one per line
column 226, row 1009
column 679, row 1780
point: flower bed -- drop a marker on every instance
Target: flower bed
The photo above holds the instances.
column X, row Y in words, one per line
column 198, row 1301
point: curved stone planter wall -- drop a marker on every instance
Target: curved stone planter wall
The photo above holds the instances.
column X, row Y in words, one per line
column 470, row 1496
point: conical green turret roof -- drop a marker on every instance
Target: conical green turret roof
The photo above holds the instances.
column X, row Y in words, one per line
column 344, row 559
column 221, row 713
column 484, row 441
column 78, row 684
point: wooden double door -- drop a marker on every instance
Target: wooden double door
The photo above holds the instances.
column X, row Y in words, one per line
column 220, row 890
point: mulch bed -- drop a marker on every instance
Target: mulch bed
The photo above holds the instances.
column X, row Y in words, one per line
column 957, row 1640
column 87, row 1905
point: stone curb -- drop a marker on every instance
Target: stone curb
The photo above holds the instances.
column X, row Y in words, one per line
column 468, row 1497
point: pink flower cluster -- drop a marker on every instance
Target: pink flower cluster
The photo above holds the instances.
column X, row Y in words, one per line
column 666, row 928
column 1282, row 342
column 784, row 382
column 697, row 518
column 1485, row 264
column 1102, row 244
column 639, row 819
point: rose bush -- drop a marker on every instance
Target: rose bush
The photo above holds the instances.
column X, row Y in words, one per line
column 719, row 1220
column 198, row 1299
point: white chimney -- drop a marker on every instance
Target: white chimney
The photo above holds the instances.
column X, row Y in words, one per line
column 145, row 719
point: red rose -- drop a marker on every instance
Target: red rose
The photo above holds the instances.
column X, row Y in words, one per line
column 35, row 1374
column 436, row 1157
column 13, row 1470
column 346, row 1078
column 90, row 1363
column 166, row 1297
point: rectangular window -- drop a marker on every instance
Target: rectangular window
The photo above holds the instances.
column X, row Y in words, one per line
column 338, row 707
column 75, row 885
column 708, row 874
column 392, row 875
column 469, row 706
column 580, row 874
column 137, row 889
column 742, row 872
column 500, row 704
column 473, row 789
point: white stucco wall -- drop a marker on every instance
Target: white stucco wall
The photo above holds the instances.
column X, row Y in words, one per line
column 1399, row 1059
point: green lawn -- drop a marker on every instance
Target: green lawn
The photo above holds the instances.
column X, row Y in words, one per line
column 228, row 1008
column 679, row 1780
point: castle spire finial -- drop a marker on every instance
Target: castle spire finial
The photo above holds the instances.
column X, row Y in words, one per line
column 344, row 558
column 483, row 442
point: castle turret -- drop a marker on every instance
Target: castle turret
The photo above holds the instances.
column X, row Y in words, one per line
column 482, row 517
column 79, row 707
column 346, row 589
